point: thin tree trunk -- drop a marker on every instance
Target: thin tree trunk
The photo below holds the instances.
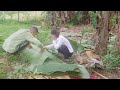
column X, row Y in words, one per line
column 117, row 44
column 102, row 35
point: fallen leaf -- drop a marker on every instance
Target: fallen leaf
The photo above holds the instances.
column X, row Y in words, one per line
column 21, row 77
column 91, row 54
column 30, row 77
column 82, row 58
column 63, row 77
column 39, row 77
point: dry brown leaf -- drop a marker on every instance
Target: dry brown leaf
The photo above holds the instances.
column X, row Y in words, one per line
column 91, row 54
column 21, row 77
column 30, row 77
column 49, row 77
column 63, row 77
column 39, row 77
column 46, row 77
column 82, row 58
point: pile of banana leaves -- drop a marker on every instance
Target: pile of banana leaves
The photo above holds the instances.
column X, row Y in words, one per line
column 46, row 62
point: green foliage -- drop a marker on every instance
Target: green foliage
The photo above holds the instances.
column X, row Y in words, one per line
column 1, row 38
column 2, row 52
column 3, row 74
column 76, row 19
column 46, row 62
column 76, row 46
column 87, row 30
column 113, row 20
column 40, row 58
column 44, row 36
column 51, row 68
column 111, row 61
column 14, row 57
column 111, row 45
column 8, row 27
column 18, row 72
column 87, row 44
column 112, row 39
column 93, row 17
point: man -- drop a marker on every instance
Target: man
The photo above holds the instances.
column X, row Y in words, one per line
column 60, row 43
column 20, row 40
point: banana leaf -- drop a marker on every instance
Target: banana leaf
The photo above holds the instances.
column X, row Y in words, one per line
column 47, row 63
column 62, row 68
column 76, row 46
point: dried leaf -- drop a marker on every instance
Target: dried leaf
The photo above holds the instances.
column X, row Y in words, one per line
column 82, row 58
column 39, row 77
column 91, row 54
column 63, row 77
column 30, row 77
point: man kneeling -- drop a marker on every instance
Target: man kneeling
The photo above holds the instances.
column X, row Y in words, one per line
column 20, row 40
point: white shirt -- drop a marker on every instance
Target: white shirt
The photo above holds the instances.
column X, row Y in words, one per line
column 16, row 38
column 61, row 41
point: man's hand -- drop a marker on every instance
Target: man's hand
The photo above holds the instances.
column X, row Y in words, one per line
column 44, row 47
column 29, row 46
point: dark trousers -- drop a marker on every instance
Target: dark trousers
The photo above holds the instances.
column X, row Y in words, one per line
column 21, row 46
column 64, row 50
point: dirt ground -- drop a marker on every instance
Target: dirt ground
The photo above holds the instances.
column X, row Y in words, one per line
column 113, row 74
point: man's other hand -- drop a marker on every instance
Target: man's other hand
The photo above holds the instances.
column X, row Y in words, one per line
column 29, row 46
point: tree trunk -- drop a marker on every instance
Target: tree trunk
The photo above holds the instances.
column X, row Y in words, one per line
column 117, row 43
column 85, row 17
column 102, row 35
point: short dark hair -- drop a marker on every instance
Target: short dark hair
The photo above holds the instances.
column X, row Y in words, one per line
column 55, row 31
column 34, row 28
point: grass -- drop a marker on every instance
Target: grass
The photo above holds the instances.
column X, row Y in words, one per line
column 111, row 61
column 7, row 27
column 88, row 29
column 3, row 74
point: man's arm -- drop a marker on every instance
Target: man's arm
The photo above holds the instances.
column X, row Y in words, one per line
column 50, row 46
column 58, row 44
column 33, row 40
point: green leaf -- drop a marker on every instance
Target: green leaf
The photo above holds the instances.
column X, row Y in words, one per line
column 76, row 46
column 41, row 57
column 87, row 43
column 84, row 72
column 62, row 68
column 49, row 68
column 79, row 16
column 47, row 63
column 80, row 49
column 38, row 58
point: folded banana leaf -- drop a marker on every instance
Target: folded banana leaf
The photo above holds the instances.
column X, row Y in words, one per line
column 47, row 63
column 62, row 68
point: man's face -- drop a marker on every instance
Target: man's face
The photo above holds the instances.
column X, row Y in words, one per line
column 34, row 33
column 53, row 37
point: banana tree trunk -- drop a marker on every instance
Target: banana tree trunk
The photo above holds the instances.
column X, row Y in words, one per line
column 117, row 43
column 102, row 35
